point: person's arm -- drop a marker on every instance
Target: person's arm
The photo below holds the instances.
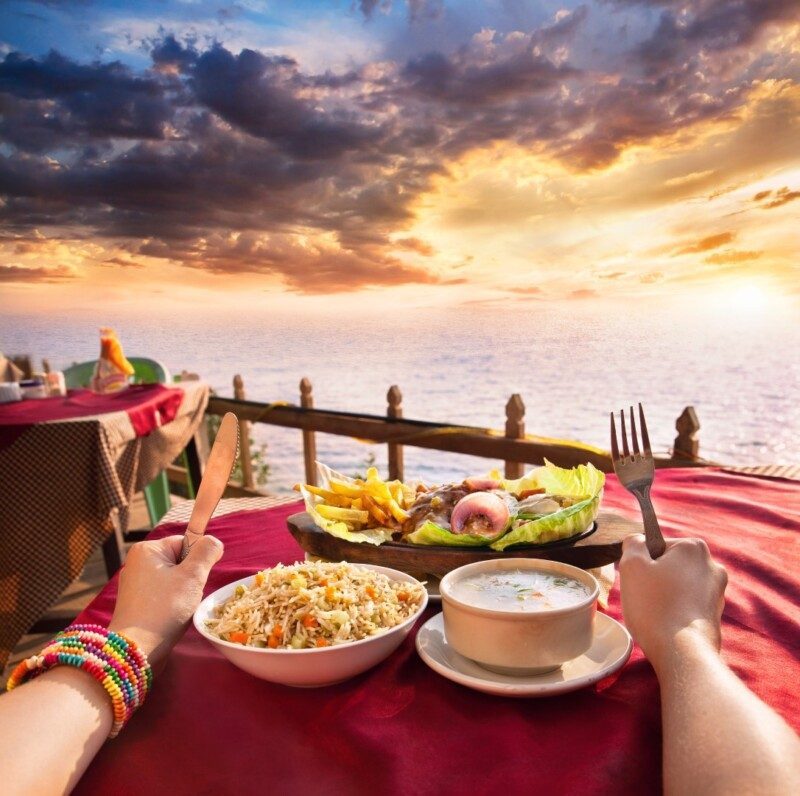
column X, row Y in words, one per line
column 719, row 737
column 52, row 727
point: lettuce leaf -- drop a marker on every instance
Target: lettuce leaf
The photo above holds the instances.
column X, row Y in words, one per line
column 559, row 525
column 584, row 481
column 431, row 533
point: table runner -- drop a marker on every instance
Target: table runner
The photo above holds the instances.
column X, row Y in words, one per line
column 63, row 484
column 148, row 406
column 210, row 728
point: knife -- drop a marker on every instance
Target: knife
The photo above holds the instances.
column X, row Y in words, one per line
column 214, row 480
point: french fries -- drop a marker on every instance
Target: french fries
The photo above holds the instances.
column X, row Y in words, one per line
column 345, row 515
column 367, row 502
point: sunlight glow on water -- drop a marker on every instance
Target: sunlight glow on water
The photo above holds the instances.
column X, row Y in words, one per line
column 571, row 364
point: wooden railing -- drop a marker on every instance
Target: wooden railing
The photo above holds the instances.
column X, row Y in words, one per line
column 514, row 447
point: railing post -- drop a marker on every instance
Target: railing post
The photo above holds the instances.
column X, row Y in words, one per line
column 244, row 437
column 309, row 440
column 395, row 409
column 686, row 445
column 515, row 429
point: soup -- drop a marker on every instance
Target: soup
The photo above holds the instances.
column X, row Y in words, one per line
column 520, row 590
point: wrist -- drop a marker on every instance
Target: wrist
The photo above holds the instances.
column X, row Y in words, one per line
column 686, row 647
column 116, row 663
column 141, row 637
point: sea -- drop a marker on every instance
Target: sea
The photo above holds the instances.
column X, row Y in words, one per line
column 571, row 362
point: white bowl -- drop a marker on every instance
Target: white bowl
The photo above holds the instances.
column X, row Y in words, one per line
column 308, row 668
column 519, row 643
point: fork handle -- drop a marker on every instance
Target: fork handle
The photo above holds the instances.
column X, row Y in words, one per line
column 652, row 532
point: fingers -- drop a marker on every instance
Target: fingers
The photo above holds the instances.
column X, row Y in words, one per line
column 172, row 547
column 167, row 549
column 634, row 547
column 722, row 576
column 203, row 554
column 692, row 545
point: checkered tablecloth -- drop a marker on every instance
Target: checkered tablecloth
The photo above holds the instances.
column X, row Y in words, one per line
column 182, row 511
column 64, row 484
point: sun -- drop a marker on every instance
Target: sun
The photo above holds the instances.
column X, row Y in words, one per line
column 748, row 297
column 754, row 297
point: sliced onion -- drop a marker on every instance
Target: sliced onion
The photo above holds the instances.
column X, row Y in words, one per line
column 480, row 514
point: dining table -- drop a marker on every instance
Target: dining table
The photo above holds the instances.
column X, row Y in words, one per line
column 69, row 466
column 208, row 727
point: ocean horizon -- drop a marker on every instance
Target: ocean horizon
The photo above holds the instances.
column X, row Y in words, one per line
column 571, row 363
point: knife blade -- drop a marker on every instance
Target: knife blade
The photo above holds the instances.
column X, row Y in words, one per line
column 214, row 480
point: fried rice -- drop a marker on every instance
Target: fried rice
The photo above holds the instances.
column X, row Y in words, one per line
column 310, row 605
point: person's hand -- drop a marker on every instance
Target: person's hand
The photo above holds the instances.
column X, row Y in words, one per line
column 157, row 596
column 680, row 593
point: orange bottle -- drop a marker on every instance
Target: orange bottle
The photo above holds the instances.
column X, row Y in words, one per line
column 112, row 370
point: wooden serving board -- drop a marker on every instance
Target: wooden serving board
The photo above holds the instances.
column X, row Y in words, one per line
column 602, row 547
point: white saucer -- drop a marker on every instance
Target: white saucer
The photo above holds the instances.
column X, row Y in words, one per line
column 610, row 650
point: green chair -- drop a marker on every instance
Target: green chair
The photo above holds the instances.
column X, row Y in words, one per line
column 145, row 371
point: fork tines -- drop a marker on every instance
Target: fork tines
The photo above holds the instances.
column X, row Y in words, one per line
column 626, row 453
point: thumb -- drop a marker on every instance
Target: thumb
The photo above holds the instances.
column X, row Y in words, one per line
column 204, row 553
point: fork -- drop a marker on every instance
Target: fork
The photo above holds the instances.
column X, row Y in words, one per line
column 635, row 472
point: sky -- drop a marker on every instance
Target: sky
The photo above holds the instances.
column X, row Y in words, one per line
column 381, row 153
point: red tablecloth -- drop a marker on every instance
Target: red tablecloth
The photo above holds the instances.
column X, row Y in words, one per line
column 401, row 728
column 147, row 405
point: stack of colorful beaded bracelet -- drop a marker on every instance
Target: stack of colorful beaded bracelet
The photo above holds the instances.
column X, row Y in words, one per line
column 111, row 658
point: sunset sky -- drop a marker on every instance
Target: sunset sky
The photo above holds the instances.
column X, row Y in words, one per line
column 430, row 152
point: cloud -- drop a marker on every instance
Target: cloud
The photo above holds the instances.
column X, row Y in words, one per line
column 259, row 95
column 169, row 55
column 367, row 7
column 612, row 275
column 54, row 102
column 311, row 267
column 583, row 293
column 685, row 34
column 780, row 197
column 18, row 273
column 122, row 263
column 707, row 243
column 732, row 257
column 416, row 245
column 418, row 10
column 688, row 179
column 525, row 290
column 235, row 160
column 486, row 72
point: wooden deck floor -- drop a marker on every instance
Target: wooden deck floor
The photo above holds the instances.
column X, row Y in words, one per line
column 79, row 593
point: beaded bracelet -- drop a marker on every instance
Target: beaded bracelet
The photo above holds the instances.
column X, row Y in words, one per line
column 111, row 658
